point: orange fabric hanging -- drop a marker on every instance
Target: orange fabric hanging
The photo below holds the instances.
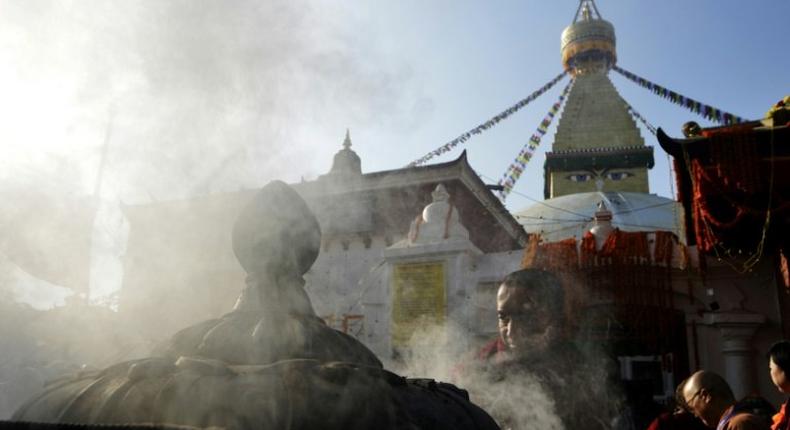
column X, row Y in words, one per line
column 621, row 273
column 626, row 246
column 530, row 252
column 664, row 246
column 560, row 256
column 588, row 251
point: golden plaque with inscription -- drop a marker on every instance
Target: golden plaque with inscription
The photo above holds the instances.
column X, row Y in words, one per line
column 419, row 298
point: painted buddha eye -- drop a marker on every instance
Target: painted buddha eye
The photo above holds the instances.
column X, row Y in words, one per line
column 618, row 176
column 580, row 177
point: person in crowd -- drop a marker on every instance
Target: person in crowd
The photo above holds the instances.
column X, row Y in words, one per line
column 710, row 398
column 530, row 314
column 532, row 339
column 779, row 365
column 757, row 405
column 680, row 418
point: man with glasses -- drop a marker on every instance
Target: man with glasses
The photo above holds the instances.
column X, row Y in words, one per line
column 709, row 397
column 680, row 418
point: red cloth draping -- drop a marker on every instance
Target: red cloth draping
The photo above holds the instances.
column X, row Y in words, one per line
column 623, row 272
column 730, row 190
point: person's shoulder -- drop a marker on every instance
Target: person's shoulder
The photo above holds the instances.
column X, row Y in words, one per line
column 781, row 421
column 747, row 421
column 659, row 422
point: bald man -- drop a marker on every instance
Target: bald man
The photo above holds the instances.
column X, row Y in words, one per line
column 710, row 398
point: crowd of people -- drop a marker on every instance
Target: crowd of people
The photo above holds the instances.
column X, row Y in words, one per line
column 705, row 400
column 530, row 307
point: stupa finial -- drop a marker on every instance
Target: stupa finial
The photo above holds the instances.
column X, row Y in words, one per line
column 588, row 44
column 587, row 11
column 347, row 140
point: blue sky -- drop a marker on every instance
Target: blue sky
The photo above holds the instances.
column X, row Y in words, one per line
column 475, row 59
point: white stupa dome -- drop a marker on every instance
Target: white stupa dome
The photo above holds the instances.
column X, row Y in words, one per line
column 572, row 215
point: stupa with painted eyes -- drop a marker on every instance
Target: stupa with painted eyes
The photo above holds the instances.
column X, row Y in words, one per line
column 598, row 153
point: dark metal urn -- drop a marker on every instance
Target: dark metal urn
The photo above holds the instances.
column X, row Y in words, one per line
column 271, row 363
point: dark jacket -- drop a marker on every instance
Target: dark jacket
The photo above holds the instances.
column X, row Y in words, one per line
column 677, row 421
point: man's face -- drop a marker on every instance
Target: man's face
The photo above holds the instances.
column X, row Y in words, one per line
column 698, row 402
column 526, row 327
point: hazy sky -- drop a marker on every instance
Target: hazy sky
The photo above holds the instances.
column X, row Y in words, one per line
column 207, row 96
column 199, row 96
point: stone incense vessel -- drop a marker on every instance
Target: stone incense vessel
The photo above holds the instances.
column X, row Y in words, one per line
column 270, row 363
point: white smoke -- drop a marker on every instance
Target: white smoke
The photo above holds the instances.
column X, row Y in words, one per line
column 193, row 96
column 110, row 103
column 441, row 352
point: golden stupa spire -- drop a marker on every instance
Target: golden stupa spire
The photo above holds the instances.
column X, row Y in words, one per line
column 587, row 11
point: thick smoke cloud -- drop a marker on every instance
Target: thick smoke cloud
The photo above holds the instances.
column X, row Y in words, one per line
column 198, row 96
column 138, row 102
column 110, row 103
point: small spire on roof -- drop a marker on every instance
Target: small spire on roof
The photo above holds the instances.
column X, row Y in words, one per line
column 346, row 161
column 603, row 213
column 347, row 141
column 602, row 225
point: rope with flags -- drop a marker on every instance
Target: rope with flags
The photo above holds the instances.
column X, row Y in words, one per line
column 637, row 115
column 516, row 168
column 488, row 124
column 695, row 106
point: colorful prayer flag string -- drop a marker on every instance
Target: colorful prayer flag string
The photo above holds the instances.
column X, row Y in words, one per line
column 488, row 124
column 516, row 168
column 699, row 108
column 638, row 116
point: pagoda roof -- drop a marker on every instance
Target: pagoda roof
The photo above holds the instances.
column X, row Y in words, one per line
column 390, row 199
column 700, row 145
column 727, row 177
column 413, row 186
